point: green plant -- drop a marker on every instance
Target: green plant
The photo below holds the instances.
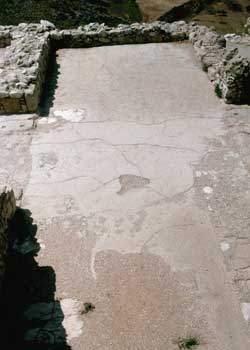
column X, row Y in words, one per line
column 188, row 343
column 88, row 307
column 218, row 91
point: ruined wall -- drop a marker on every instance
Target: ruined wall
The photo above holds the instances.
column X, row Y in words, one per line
column 26, row 59
column 7, row 210
column 95, row 34
column 226, row 68
column 24, row 69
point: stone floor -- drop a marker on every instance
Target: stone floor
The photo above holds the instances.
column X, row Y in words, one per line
column 138, row 182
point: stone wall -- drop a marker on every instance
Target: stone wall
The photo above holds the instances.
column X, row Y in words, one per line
column 26, row 59
column 24, row 69
column 226, row 68
column 95, row 34
column 7, row 210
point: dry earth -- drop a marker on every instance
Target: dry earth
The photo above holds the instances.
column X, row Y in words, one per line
column 224, row 19
column 152, row 10
column 217, row 14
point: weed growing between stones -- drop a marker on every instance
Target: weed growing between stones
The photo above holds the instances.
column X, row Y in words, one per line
column 218, row 91
column 188, row 343
column 88, row 307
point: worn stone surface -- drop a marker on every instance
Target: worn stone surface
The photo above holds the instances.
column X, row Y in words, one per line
column 7, row 210
column 226, row 170
column 149, row 259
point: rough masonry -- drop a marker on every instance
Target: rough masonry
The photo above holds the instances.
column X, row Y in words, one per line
column 28, row 49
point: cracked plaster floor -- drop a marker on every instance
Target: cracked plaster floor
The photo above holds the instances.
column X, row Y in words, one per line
column 127, row 180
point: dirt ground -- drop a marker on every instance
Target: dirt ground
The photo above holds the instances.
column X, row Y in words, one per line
column 152, row 10
column 218, row 14
column 224, row 19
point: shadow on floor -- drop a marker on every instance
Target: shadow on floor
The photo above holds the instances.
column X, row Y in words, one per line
column 48, row 95
column 31, row 317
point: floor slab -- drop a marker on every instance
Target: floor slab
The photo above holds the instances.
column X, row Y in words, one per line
column 115, row 180
column 120, row 83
